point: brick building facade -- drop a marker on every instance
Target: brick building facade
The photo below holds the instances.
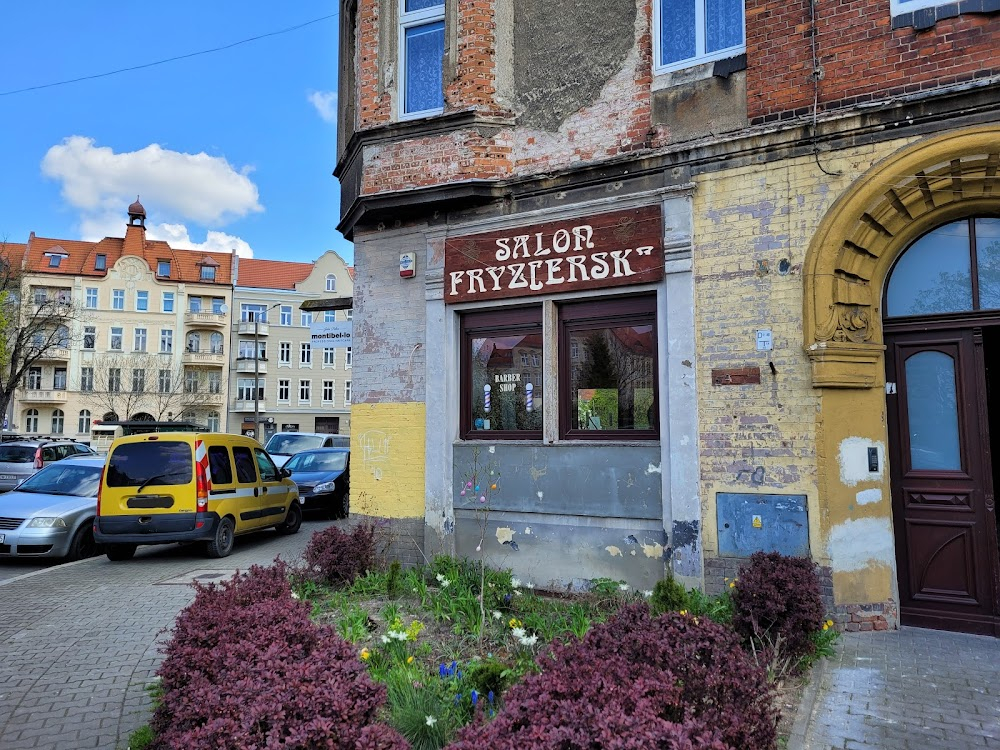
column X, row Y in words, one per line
column 808, row 364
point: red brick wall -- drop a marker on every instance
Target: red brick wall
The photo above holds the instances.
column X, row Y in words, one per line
column 474, row 84
column 862, row 57
column 373, row 107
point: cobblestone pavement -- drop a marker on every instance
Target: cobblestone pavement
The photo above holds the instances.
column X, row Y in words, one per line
column 80, row 641
column 910, row 689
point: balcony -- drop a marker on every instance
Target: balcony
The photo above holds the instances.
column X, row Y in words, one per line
column 205, row 320
column 247, row 366
column 54, row 354
column 242, row 405
column 203, row 398
column 246, row 328
column 204, row 358
column 38, row 396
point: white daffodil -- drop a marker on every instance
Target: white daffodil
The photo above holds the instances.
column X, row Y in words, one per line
column 515, row 582
column 496, row 615
column 531, row 585
column 519, row 633
column 440, row 577
column 431, row 721
column 623, row 586
column 529, row 640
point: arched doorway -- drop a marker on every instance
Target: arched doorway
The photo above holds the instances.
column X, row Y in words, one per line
column 853, row 343
column 941, row 320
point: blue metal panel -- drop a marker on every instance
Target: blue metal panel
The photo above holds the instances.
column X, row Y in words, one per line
column 751, row 523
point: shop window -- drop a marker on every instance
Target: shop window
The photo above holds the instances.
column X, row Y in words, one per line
column 496, row 400
column 609, row 391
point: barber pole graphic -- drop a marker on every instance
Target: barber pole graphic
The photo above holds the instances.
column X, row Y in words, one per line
column 530, row 390
column 486, row 397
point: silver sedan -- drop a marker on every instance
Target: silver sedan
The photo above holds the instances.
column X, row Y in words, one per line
column 51, row 514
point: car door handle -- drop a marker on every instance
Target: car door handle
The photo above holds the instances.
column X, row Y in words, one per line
column 263, row 490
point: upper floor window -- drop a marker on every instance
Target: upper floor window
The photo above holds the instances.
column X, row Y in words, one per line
column 217, row 305
column 117, row 299
column 163, row 268
column 142, row 301
column 168, row 302
column 91, row 302
column 330, row 316
column 688, row 32
column 194, row 304
column 251, row 312
column 331, row 282
column 208, row 273
column 286, row 315
column 305, row 318
column 100, row 262
column 421, row 57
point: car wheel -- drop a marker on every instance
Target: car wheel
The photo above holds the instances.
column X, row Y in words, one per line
column 83, row 544
column 222, row 543
column 293, row 521
column 120, row 552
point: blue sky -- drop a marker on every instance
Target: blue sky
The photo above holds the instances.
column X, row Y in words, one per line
column 229, row 150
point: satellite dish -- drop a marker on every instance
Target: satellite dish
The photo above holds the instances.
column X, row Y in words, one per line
column 223, row 308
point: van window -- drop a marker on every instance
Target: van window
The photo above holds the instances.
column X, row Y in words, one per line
column 219, row 465
column 161, row 462
column 245, row 466
column 268, row 471
column 16, row 454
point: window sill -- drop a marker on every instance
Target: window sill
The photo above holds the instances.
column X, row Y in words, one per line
column 925, row 18
column 722, row 65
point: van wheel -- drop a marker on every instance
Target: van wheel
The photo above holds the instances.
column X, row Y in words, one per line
column 83, row 545
column 120, row 552
column 293, row 521
column 222, row 543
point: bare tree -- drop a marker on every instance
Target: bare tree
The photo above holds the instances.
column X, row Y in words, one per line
column 36, row 318
column 140, row 382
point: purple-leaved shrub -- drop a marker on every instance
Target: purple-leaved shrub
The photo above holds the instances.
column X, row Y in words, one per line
column 673, row 682
column 337, row 558
column 247, row 669
column 776, row 595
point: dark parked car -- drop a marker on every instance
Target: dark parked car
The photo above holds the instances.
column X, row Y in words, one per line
column 20, row 459
column 51, row 514
column 282, row 445
column 323, row 478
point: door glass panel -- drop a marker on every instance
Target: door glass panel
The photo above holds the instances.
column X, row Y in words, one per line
column 932, row 408
column 988, row 257
column 934, row 275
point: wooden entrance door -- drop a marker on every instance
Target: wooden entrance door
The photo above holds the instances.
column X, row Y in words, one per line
column 942, row 486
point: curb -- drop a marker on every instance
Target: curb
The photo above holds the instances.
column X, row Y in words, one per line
column 808, row 705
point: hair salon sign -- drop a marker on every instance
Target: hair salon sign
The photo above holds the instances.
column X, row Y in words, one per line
column 613, row 249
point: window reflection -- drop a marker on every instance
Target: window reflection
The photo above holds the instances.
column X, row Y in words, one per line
column 934, row 275
column 507, row 382
column 932, row 410
column 612, row 378
column 988, row 258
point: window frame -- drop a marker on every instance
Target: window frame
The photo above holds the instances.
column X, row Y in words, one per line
column 117, row 299
column 492, row 322
column 91, row 295
column 699, row 30
column 597, row 314
column 305, row 391
column 285, row 315
column 160, row 266
column 410, row 20
column 141, row 300
column 331, row 282
column 167, row 302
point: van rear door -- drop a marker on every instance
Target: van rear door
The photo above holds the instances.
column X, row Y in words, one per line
column 150, row 478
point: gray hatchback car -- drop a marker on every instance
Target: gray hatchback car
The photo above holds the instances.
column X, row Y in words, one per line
column 19, row 459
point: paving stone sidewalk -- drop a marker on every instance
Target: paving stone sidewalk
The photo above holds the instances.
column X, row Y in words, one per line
column 79, row 642
column 911, row 689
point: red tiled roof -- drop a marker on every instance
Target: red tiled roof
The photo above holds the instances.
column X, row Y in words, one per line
column 350, row 272
column 271, row 274
column 185, row 265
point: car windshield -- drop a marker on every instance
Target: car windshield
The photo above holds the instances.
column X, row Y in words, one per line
column 16, row 454
column 317, row 462
column 286, row 445
column 64, row 478
column 163, row 462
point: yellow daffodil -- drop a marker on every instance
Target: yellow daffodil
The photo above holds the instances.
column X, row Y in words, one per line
column 732, row 584
column 684, row 611
column 409, row 660
column 365, row 654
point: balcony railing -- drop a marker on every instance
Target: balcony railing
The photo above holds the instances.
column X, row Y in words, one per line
column 204, row 320
column 246, row 328
column 40, row 396
column 212, row 358
column 54, row 354
column 248, row 365
column 243, row 405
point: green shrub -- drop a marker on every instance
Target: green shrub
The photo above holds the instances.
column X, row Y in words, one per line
column 668, row 596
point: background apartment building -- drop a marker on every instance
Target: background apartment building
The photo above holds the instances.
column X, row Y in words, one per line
column 144, row 337
column 296, row 387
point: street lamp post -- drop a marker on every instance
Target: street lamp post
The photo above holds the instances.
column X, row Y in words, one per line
column 256, row 370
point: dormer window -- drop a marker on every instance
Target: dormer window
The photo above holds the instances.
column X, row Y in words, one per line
column 208, row 273
column 100, row 262
column 163, row 268
column 55, row 259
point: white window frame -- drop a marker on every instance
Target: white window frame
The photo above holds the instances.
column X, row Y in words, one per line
column 84, row 422
column 284, row 354
column 407, row 21
column 898, row 7
column 139, row 339
column 86, row 379
column 305, row 354
column 305, row 318
column 117, row 299
column 167, row 303
column 285, row 315
column 347, row 393
column 350, row 359
column 143, row 295
column 92, row 298
column 700, row 55
column 331, row 279
column 92, row 332
column 284, row 386
column 329, row 389
column 121, row 339
column 166, row 341
column 329, row 357
column 305, row 387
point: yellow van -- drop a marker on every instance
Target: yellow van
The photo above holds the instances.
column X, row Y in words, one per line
column 164, row 487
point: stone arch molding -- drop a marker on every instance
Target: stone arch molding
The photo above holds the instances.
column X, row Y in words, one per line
column 923, row 185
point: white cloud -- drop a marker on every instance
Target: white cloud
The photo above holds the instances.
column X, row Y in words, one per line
column 325, row 103
column 195, row 187
column 217, row 242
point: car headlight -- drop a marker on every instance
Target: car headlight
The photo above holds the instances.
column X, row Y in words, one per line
column 46, row 522
column 322, row 487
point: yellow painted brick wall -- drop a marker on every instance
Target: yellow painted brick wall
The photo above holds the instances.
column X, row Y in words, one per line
column 763, row 438
column 387, row 459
